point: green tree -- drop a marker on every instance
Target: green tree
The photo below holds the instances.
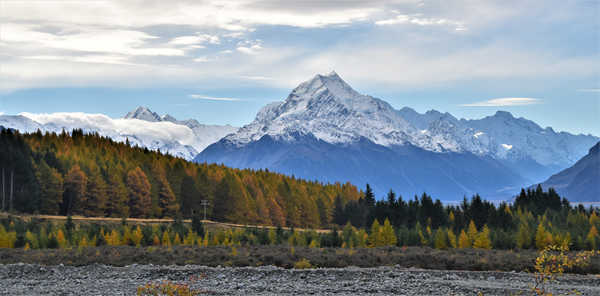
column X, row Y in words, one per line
column 51, row 188
column 75, row 190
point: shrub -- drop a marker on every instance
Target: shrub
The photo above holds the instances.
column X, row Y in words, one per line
column 302, row 264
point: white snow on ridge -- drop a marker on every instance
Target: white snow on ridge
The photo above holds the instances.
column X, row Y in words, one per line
column 328, row 108
column 179, row 138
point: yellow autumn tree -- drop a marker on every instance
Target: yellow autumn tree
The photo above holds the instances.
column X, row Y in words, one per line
column 137, row 236
column 463, row 240
column 60, row 238
column 375, row 237
column 166, row 240
column 543, row 238
column 440, row 239
column 592, row 238
column 155, row 240
column 483, row 241
column 388, row 234
column 472, row 231
column 177, row 240
column 452, row 238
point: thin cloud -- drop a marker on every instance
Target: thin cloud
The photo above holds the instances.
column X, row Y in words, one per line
column 503, row 102
column 589, row 90
column 208, row 98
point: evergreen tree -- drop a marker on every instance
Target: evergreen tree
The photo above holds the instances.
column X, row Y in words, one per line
column 51, row 188
column 75, row 190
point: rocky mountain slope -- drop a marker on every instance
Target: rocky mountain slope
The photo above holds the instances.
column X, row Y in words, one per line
column 581, row 181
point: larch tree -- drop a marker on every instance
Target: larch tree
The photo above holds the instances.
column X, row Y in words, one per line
column 139, row 193
column 75, row 190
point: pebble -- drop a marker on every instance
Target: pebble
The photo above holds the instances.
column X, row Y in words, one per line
column 95, row 279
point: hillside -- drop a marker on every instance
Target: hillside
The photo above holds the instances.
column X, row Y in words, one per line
column 90, row 175
column 579, row 182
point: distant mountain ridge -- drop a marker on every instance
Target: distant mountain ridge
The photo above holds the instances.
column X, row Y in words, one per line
column 580, row 181
column 141, row 127
column 325, row 114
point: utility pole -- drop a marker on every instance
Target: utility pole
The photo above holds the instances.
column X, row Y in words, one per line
column 204, row 203
column 12, row 175
column 3, row 192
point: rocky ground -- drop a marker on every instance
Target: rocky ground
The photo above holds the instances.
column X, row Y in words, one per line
column 96, row 279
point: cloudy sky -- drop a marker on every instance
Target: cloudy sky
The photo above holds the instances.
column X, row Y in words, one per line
column 220, row 61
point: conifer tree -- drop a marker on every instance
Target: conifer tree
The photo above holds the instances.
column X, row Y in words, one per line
column 51, row 188
column 483, row 241
column 440, row 239
column 375, row 237
column 388, row 233
column 139, row 193
column 117, row 202
column 592, row 239
column 75, row 190
column 452, row 239
column 94, row 202
column 463, row 240
column 472, row 231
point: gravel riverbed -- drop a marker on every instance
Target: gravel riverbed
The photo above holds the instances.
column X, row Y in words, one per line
column 95, row 279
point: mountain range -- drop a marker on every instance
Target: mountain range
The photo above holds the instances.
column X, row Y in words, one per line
column 326, row 130
column 141, row 127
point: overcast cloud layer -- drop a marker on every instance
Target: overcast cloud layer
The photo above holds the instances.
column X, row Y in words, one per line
column 494, row 49
column 134, row 43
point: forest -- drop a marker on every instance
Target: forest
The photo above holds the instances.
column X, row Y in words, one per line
column 86, row 174
column 90, row 175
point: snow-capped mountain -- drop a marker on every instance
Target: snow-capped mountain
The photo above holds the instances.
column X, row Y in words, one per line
column 143, row 113
column 325, row 114
column 204, row 134
column 141, row 127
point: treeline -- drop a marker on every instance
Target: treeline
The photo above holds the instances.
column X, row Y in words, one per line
column 86, row 174
column 534, row 220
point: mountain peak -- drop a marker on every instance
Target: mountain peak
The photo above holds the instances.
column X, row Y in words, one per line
column 504, row 114
column 331, row 83
column 143, row 113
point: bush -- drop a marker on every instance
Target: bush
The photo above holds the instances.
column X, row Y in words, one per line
column 302, row 264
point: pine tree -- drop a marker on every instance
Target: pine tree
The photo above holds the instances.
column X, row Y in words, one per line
column 51, row 188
